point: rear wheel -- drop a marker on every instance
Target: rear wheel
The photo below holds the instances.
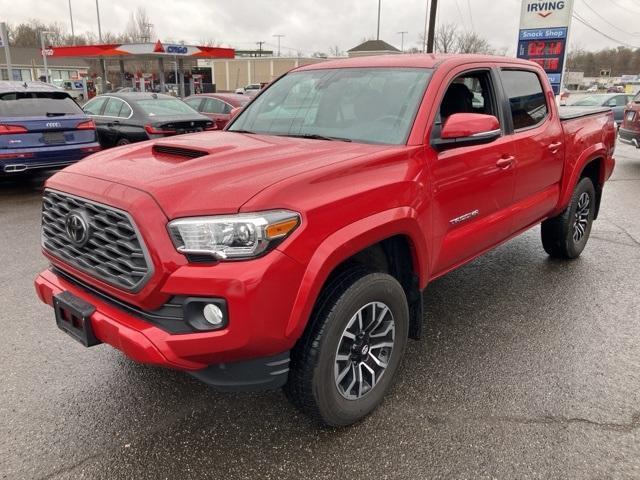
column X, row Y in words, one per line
column 345, row 362
column 566, row 235
column 123, row 141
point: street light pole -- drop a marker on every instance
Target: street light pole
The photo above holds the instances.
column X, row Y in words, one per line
column 379, row 8
column 44, row 56
column 279, row 37
column 402, row 34
column 99, row 28
column 73, row 35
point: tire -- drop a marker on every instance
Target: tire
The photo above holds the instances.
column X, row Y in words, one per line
column 123, row 141
column 566, row 235
column 326, row 351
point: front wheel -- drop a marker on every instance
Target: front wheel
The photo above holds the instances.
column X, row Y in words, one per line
column 346, row 360
column 566, row 235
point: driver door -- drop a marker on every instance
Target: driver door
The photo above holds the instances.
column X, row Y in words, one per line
column 473, row 185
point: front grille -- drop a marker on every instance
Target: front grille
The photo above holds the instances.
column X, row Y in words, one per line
column 113, row 251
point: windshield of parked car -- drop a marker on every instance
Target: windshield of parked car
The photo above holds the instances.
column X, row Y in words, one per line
column 165, row 106
column 37, row 104
column 368, row 105
column 591, row 101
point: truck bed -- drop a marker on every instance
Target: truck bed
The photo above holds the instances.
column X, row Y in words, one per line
column 569, row 113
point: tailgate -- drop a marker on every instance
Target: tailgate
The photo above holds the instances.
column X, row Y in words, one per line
column 33, row 132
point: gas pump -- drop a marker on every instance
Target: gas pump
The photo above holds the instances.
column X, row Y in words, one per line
column 195, row 83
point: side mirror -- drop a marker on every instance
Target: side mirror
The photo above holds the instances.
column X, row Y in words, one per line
column 462, row 129
column 611, row 103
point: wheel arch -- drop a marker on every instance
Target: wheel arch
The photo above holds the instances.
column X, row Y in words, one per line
column 389, row 241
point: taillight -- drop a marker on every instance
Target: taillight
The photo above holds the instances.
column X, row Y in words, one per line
column 151, row 130
column 12, row 129
column 86, row 125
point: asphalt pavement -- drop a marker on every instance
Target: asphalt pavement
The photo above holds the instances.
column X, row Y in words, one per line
column 530, row 368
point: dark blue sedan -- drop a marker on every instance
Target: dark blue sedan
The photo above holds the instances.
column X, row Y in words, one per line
column 41, row 127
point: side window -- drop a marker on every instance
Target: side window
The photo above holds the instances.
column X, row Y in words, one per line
column 94, row 106
column 194, row 103
column 621, row 101
column 125, row 111
column 526, row 98
column 113, row 108
column 213, row 105
column 471, row 92
column 226, row 109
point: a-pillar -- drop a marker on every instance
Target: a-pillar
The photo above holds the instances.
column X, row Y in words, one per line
column 181, row 74
column 161, row 73
column 123, row 78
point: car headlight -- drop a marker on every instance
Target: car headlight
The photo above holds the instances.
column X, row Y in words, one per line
column 245, row 235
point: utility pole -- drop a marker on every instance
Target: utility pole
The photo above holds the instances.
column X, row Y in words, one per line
column 402, row 34
column 424, row 35
column 279, row 37
column 379, row 7
column 73, row 35
column 432, row 25
column 260, row 47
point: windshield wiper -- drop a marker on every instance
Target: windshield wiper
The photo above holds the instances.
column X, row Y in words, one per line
column 56, row 114
column 315, row 136
column 242, row 131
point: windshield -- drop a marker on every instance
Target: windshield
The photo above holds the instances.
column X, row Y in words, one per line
column 37, row 104
column 153, row 107
column 591, row 101
column 369, row 105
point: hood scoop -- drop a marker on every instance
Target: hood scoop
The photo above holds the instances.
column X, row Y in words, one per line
column 176, row 152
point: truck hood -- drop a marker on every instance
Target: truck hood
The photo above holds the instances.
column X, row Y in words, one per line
column 228, row 169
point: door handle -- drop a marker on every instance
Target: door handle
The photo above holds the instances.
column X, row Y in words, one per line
column 554, row 147
column 505, row 162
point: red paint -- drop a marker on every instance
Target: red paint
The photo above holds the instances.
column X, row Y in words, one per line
column 349, row 195
column 466, row 124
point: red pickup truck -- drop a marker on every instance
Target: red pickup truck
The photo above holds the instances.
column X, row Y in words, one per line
column 293, row 248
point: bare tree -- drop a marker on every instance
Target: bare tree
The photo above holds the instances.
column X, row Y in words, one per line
column 139, row 27
column 471, row 42
column 335, row 51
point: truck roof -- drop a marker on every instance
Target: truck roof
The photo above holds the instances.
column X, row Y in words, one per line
column 421, row 60
column 15, row 86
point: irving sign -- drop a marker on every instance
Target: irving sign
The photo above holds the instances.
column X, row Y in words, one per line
column 544, row 31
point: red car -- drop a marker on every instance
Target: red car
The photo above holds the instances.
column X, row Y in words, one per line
column 629, row 132
column 217, row 106
column 294, row 248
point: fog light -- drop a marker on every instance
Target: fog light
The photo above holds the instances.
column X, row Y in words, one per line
column 213, row 314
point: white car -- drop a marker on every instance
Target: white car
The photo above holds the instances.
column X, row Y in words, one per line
column 252, row 90
column 592, row 89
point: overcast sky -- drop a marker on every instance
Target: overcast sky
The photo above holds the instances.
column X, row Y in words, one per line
column 314, row 25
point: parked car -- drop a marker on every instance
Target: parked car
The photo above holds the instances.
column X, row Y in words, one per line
column 41, row 127
column 629, row 131
column 564, row 96
column 217, row 106
column 251, row 90
column 592, row 89
column 294, row 248
column 123, row 118
column 615, row 101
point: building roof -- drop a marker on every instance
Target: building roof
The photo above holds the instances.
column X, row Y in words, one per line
column 374, row 46
column 28, row 55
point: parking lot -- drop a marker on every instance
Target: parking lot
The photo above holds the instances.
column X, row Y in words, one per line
column 529, row 369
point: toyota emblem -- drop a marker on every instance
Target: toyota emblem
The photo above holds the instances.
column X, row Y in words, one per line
column 77, row 227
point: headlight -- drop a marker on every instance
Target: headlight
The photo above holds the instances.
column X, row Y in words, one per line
column 245, row 235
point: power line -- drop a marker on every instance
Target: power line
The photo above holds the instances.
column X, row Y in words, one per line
column 460, row 13
column 588, row 25
column 606, row 21
column 471, row 15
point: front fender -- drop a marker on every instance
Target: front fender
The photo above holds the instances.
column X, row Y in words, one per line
column 345, row 243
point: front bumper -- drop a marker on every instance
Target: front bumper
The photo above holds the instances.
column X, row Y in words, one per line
column 250, row 353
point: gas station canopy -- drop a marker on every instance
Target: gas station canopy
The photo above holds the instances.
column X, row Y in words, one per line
column 141, row 51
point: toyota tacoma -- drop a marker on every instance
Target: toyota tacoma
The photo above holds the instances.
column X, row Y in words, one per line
column 293, row 249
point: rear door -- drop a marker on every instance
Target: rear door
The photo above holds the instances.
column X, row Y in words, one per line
column 538, row 141
column 111, row 120
column 472, row 185
column 218, row 111
column 94, row 108
column 31, row 120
